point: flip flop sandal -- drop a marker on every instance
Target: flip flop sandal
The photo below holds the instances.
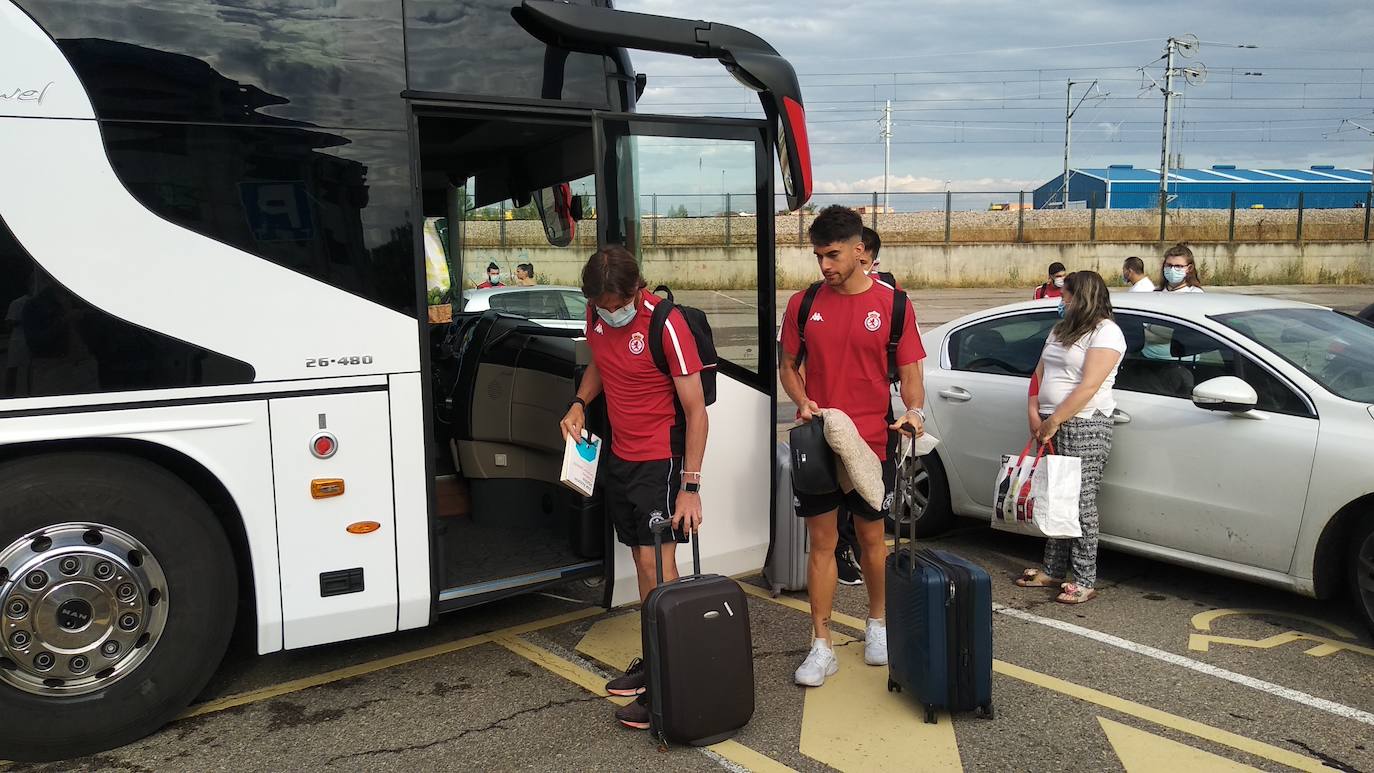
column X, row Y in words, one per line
column 1034, row 578
column 1075, row 595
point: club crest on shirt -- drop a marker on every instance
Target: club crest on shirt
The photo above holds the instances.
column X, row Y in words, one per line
column 636, row 343
column 873, row 321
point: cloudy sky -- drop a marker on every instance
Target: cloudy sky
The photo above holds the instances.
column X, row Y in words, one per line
column 978, row 88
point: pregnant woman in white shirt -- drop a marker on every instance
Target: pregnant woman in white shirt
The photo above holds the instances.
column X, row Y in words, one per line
column 1074, row 409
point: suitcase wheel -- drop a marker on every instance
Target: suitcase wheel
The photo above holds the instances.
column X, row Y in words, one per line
column 986, row 712
column 893, row 686
column 930, row 715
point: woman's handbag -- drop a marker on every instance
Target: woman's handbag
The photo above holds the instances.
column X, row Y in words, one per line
column 1038, row 495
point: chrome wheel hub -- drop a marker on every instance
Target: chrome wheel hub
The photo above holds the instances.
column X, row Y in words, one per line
column 81, row 606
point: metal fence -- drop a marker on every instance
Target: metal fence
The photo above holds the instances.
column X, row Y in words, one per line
column 954, row 217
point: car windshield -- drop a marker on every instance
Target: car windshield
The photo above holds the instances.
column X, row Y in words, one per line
column 1335, row 350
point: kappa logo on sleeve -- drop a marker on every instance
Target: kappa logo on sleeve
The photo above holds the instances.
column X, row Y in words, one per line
column 817, row 317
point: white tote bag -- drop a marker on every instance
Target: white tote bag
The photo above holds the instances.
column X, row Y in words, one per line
column 1038, row 495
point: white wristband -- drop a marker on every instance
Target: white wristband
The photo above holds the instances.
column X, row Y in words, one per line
column 920, row 414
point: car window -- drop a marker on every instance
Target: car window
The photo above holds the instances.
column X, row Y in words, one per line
column 575, row 305
column 1008, row 346
column 511, row 303
column 1170, row 359
column 1335, row 350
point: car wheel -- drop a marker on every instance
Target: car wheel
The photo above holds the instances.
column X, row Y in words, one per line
column 922, row 496
column 1360, row 566
column 117, row 600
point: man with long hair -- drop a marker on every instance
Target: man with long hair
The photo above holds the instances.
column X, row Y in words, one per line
column 653, row 468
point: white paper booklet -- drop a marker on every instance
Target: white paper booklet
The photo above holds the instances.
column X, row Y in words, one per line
column 580, row 458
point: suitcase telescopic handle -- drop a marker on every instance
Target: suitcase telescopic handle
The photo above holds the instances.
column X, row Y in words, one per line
column 658, row 527
column 905, row 451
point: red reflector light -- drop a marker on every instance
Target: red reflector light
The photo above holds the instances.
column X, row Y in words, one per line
column 796, row 125
column 323, row 445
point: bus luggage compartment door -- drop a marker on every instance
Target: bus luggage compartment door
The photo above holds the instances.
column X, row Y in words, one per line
column 331, row 463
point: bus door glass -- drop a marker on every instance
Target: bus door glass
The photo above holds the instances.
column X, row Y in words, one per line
column 692, row 199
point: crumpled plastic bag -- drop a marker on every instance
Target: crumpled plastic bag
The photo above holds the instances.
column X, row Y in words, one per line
column 859, row 469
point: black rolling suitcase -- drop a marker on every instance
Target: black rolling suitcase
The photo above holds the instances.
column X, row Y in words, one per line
column 699, row 653
column 939, row 629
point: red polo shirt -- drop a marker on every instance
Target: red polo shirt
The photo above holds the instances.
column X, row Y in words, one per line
column 639, row 397
column 846, row 354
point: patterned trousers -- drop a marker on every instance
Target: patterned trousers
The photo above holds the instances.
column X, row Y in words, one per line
column 1091, row 440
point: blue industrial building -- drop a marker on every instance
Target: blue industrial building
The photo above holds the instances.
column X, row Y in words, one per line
column 1122, row 186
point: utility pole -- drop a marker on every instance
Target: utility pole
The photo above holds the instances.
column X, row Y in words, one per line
column 1069, row 111
column 1164, row 151
column 887, row 148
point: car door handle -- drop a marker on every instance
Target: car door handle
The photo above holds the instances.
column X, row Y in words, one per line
column 957, row 394
column 1120, row 417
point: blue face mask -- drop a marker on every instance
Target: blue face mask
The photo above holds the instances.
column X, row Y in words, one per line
column 618, row 318
column 1174, row 275
column 1060, row 309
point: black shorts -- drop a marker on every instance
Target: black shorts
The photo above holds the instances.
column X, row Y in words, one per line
column 638, row 493
column 809, row 505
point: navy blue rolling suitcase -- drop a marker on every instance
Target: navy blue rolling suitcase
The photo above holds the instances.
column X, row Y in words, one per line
column 939, row 630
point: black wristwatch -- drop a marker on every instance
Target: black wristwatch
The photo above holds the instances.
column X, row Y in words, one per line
column 577, row 401
column 691, row 488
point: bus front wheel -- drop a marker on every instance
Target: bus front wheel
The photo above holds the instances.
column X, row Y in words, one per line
column 117, row 600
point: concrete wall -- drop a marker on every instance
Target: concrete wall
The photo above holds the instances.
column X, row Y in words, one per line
column 957, row 265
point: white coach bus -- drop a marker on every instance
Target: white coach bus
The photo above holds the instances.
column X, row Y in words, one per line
column 223, row 400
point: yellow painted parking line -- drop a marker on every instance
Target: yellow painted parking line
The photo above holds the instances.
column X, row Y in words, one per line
column 591, row 682
column 1203, row 620
column 1107, row 700
column 1142, row 752
column 305, row 683
column 614, row 641
column 561, row 666
column 1149, row 714
column 854, row 724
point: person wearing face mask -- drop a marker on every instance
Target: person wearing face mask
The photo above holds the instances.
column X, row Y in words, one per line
column 1054, row 287
column 1133, row 274
column 1179, row 273
column 493, row 277
column 659, row 426
column 1073, row 408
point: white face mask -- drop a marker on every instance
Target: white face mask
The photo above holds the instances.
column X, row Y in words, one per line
column 1059, row 282
column 494, row 278
column 618, row 318
column 1175, row 275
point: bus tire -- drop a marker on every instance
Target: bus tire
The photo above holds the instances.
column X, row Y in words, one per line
column 122, row 569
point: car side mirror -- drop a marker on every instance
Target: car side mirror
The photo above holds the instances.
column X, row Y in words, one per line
column 1225, row 393
column 555, row 206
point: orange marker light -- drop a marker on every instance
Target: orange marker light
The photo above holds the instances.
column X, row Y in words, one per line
column 324, row 488
column 363, row 527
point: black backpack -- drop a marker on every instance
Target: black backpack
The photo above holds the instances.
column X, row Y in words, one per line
column 899, row 304
column 701, row 333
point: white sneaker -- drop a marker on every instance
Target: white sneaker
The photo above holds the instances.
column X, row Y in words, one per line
column 819, row 664
column 875, row 643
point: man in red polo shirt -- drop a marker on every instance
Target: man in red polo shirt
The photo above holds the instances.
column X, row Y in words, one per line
column 846, row 337
column 658, row 423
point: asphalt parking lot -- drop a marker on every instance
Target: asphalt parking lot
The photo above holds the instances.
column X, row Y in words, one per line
column 1170, row 669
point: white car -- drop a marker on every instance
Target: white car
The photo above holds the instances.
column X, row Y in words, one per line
column 1242, row 443
column 550, row 306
